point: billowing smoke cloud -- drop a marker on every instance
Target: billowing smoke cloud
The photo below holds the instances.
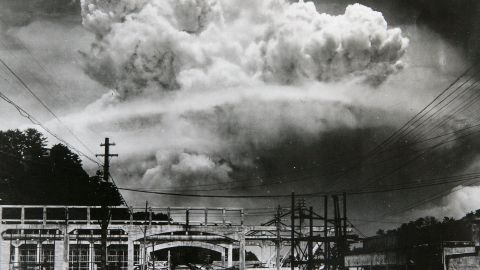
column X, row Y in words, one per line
column 240, row 93
column 171, row 45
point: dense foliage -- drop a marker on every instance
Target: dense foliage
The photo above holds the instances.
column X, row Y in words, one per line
column 427, row 230
column 30, row 173
column 423, row 240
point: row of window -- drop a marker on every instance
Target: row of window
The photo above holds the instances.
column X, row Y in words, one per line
column 78, row 257
column 27, row 257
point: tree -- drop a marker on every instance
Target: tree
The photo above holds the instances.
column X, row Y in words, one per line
column 30, row 173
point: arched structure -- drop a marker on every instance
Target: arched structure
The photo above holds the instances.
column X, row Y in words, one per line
column 198, row 244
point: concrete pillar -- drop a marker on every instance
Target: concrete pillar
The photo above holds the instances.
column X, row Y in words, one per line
column 59, row 262
column 230, row 256
column 22, row 215
column 61, row 251
column 39, row 252
column 88, row 215
column 169, row 260
column 91, row 256
column 242, row 252
column 131, row 251
column 4, row 255
column 222, row 257
column 44, row 215
column 16, row 258
column 264, row 254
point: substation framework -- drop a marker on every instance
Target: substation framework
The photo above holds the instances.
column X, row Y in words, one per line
column 314, row 240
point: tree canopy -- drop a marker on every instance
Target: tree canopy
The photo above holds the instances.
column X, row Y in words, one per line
column 31, row 173
column 427, row 230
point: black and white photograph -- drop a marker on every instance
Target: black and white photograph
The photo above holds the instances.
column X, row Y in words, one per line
column 239, row 135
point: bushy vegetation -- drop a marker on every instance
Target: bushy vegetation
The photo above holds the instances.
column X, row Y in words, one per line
column 431, row 230
column 30, row 173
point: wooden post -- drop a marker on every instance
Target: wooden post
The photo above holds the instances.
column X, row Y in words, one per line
column 150, row 215
column 292, row 233
column 206, row 217
column 278, row 243
column 326, row 245
column 310, row 241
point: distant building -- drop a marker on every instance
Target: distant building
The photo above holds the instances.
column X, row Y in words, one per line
column 387, row 252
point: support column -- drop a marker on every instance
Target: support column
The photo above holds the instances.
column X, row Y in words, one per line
column 16, row 258
column 39, row 252
column 169, row 260
column 60, row 251
column 222, row 257
column 91, row 256
column 5, row 255
column 22, row 215
column 230, row 256
column 242, row 252
column 131, row 251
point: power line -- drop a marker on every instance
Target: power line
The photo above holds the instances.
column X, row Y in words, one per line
column 34, row 121
column 419, row 203
column 428, row 108
column 420, row 153
column 24, row 85
column 414, row 118
column 461, row 178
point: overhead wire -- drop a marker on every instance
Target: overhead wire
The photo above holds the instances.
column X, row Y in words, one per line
column 34, row 121
column 416, row 118
column 25, row 86
column 348, row 192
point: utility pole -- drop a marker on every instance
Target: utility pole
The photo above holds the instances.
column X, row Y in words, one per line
column 278, row 243
column 326, row 245
column 310, row 241
column 144, row 264
column 106, row 158
column 292, row 234
column 105, row 207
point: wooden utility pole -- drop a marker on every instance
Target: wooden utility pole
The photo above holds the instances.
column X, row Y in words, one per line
column 326, row 245
column 292, row 235
column 310, row 241
column 144, row 264
column 106, row 158
column 278, row 243
column 105, row 210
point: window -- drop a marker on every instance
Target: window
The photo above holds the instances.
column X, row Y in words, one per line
column 118, row 256
column 78, row 257
column 28, row 256
column 48, row 256
column 136, row 254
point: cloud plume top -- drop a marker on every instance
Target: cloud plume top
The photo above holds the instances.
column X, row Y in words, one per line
column 169, row 45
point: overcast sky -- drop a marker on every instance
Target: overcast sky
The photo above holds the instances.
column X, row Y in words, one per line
column 246, row 94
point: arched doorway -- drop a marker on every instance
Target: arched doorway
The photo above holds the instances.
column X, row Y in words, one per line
column 187, row 254
column 179, row 257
